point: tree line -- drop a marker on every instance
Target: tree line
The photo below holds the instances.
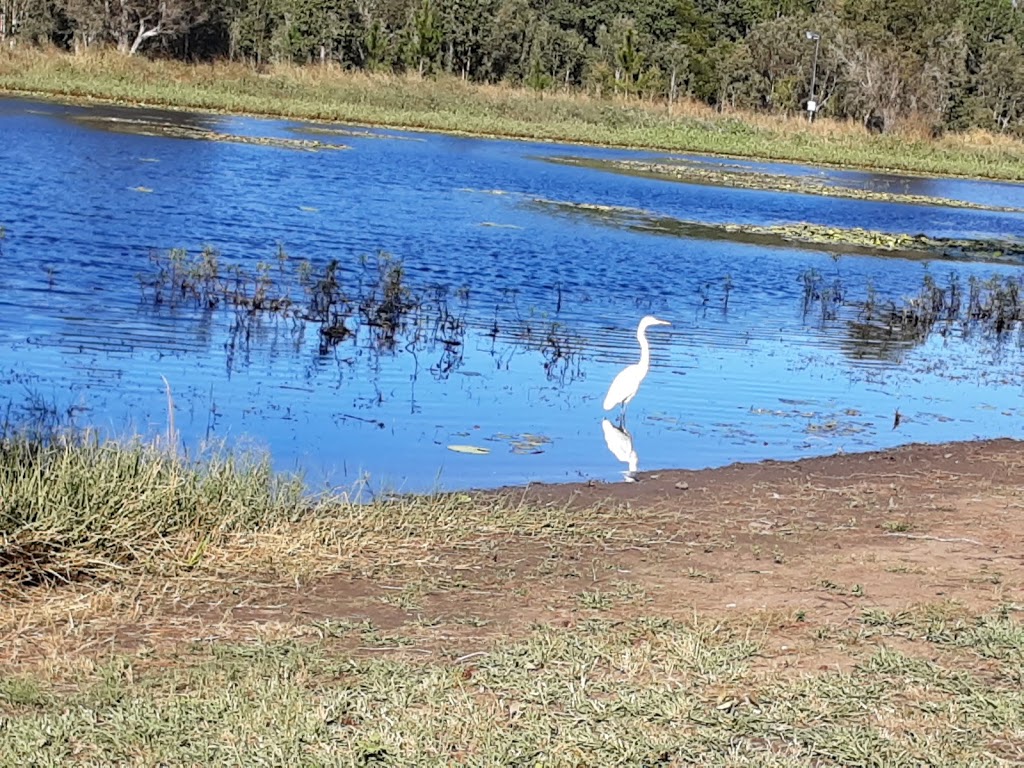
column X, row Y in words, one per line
column 948, row 64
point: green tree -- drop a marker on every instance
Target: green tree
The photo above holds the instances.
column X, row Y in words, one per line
column 673, row 59
column 425, row 36
column 464, row 30
column 375, row 45
column 732, row 67
column 619, row 60
column 510, row 41
column 251, row 30
column 778, row 63
column 1001, row 85
column 33, row 21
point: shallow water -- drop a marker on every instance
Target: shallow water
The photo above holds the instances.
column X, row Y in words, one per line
column 756, row 379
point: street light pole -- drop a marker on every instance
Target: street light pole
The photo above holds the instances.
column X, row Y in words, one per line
column 812, row 105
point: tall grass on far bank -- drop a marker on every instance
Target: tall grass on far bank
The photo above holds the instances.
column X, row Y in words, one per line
column 452, row 105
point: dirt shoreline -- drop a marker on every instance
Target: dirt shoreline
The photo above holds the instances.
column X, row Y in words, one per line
column 660, row 485
column 794, row 546
column 801, row 544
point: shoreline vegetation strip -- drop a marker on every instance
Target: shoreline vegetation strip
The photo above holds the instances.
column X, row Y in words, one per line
column 449, row 105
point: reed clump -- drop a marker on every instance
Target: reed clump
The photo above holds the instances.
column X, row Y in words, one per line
column 370, row 300
column 374, row 293
column 992, row 306
column 74, row 505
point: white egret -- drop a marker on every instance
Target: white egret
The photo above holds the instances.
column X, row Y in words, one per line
column 624, row 387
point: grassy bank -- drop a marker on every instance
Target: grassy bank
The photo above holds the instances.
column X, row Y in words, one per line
column 452, row 105
column 162, row 610
column 80, row 508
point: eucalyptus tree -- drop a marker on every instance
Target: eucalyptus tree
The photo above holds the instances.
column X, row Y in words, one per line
column 34, row 21
column 899, row 57
column 131, row 24
column 1001, row 86
column 466, row 34
column 312, row 30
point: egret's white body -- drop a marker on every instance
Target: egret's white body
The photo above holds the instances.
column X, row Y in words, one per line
column 624, row 386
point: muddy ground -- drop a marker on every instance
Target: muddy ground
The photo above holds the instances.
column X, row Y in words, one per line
column 791, row 547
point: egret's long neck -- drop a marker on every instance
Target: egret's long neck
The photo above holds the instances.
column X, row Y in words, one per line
column 645, row 349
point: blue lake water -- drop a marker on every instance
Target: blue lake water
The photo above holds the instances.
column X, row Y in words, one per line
column 544, row 306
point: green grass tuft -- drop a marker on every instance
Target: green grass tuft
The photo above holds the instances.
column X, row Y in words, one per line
column 74, row 505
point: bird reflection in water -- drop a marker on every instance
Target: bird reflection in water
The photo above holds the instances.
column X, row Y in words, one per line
column 620, row 443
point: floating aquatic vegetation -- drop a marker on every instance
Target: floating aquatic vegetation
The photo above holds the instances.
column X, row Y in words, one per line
column 693, row 173
column 315, row 130
column 837, row 240
column 819, row 422
column 523, row 444
column 838, row 427
column 858, row 237
column 472, row 450
column 174, row 130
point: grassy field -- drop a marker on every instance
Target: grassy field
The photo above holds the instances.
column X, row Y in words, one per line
column 451, row 105
column 159, row 610
column 644, row 692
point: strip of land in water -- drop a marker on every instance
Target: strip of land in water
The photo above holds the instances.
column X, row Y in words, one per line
column 691, row 172
column 837, row 240
column 149, row 127
column 454, row 106
column 838, row 610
